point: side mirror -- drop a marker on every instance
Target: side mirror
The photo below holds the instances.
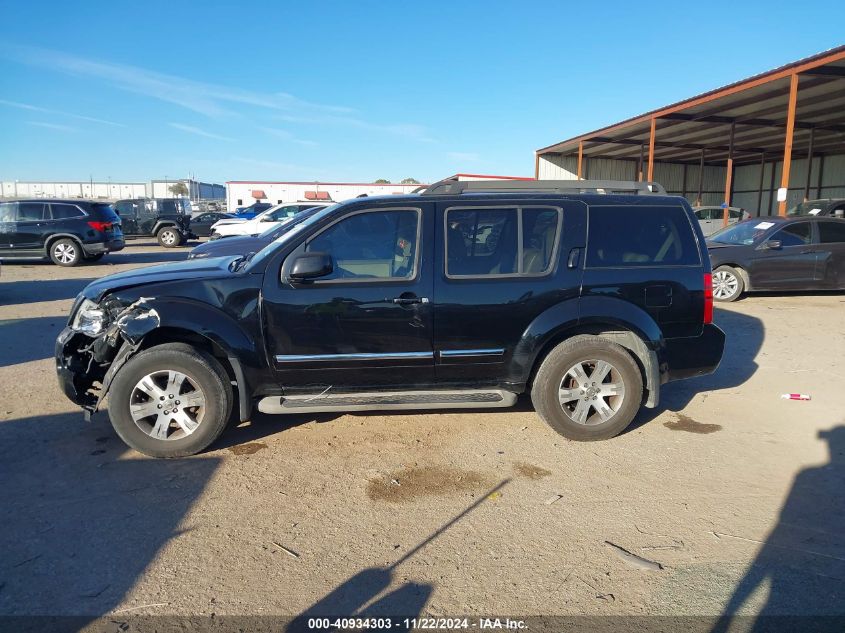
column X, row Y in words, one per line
column 311, row 266
column 772, row 244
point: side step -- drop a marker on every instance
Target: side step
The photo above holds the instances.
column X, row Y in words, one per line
column 388, row 400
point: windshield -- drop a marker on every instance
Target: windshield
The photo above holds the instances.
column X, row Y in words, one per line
column 290, row 230
column 811, row 207
column 743, row 233
column 277, row 230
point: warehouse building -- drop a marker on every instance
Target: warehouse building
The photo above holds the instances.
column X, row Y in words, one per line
column 242, row 193
column 764, row 143
column 111, row 190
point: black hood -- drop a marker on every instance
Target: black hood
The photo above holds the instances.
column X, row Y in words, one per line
column 176, row 271
column 229, row 246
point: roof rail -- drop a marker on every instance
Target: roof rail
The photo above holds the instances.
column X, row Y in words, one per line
column 451, row 187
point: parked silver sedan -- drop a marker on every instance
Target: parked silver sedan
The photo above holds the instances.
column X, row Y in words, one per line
column 711, row 219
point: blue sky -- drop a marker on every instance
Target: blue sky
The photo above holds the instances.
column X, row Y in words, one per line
column 358, row 90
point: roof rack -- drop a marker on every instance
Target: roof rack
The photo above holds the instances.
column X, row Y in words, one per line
column 451, row 186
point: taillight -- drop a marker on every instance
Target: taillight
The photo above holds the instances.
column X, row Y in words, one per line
column 100, row 226
column 708, row 298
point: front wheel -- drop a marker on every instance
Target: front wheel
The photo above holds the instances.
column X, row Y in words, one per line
column 727, row 284
column 171, row 400
column 169, row 237
column 588, row 388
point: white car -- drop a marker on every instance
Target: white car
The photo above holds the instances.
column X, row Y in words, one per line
column 712, row 219
column 268, row 219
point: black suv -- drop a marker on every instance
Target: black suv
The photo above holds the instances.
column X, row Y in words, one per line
column 824, row 206
column 66, row 231
column 168, row 219
column 463, row 296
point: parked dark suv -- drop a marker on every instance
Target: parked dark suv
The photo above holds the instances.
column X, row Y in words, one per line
column 66, row 231
column 463, row 296
column 166, row 219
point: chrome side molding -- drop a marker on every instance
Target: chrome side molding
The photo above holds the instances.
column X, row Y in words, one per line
column 308, row 358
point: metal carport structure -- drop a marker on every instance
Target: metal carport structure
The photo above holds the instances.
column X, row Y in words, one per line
column 739, row 144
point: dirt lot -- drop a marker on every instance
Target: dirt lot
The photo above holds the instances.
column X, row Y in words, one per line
column 737, row 494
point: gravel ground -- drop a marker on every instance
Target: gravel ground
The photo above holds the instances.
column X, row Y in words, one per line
column 737, row 494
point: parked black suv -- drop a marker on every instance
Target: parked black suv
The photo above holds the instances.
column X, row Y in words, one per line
column 463, row 296
column 168, row 219
column 66, row 231
column 822, row 207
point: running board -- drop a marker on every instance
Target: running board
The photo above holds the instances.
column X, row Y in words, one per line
column 388, row 400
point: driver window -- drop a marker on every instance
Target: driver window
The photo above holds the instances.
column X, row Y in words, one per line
column 371, row 245
column 797, row 234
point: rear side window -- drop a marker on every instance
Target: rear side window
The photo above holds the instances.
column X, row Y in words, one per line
column 798, row 234
column 169, row 206
column 106, row 212
column 831, row 232
column 65, row 211
column 489, row 242
column 28, row 211
column 623, row 236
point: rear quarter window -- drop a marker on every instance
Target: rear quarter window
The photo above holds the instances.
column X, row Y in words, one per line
column 832, row 232
column 106, row 212
column 65, row 211
column 627, row 236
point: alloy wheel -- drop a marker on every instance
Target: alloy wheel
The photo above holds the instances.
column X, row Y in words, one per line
column 65, row 253
column 167, row 405
column 725, row 284
column 591, row 392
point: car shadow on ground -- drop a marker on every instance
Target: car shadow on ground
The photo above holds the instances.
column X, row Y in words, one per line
column 39, row 332
column 263, row 425
column 35, row 291
column 744, row 335
column 84, row 516
column 802, row 560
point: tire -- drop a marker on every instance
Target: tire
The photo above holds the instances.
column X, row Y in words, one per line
column 151, row 374
column 728, row 284
column 65, row 252
column 94, row 258
column 169, row 237
column 579, row 418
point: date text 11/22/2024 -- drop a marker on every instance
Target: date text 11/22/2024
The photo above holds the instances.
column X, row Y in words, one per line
column 387, row 623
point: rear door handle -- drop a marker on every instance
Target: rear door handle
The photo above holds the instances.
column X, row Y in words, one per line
column 405, row 301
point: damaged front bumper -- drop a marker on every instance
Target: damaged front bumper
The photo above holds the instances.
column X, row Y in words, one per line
column 86, row 366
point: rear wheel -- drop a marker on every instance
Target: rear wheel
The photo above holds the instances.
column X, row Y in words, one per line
column 588, row 388
column 171, row 400
column 169, row 237
column 727, row 284
column 65, row 252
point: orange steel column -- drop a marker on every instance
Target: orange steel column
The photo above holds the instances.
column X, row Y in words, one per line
column 729, row 177
column 651, row 150
column 580, row 157
column 787, row 146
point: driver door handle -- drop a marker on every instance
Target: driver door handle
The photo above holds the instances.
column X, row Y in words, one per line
column 409, row 300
